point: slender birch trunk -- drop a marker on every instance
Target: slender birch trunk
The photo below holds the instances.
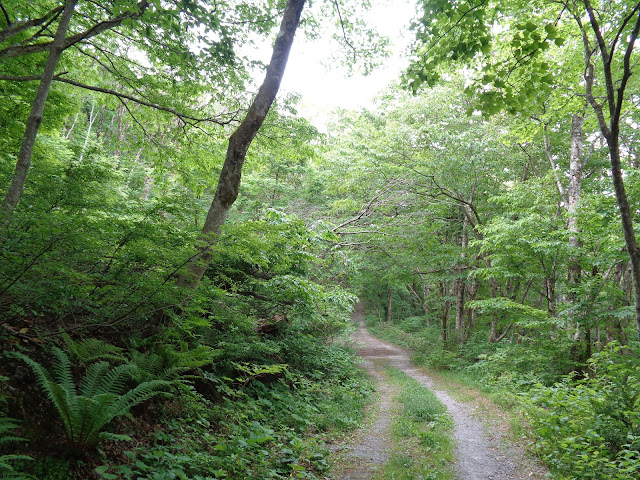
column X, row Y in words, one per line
column 13, row 195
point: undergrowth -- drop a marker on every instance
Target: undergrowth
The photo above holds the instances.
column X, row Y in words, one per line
column 581, row 420
column 264, row 431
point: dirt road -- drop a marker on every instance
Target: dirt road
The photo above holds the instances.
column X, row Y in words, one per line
column 481, row 454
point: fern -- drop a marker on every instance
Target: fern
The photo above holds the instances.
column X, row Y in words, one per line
column 92, row 349
column 7, row 470
column 148, row 366
column 172, row 363
column 189, row 359
column 101, row 397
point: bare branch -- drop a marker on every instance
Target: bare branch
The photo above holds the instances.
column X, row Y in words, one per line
column 6, row 14
column 364, row 209
column 124, row 104
column 344, row 33
column 188, row 119
column 17, row 50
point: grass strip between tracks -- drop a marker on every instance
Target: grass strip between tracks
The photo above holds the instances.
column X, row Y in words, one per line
column 421, row 433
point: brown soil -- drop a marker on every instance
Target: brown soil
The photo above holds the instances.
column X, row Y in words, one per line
column 482, row 451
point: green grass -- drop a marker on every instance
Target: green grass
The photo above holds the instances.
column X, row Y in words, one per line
column 422, row 434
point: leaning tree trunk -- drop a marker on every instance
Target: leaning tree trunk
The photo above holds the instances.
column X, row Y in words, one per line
column 23, row 163
column 239, row 142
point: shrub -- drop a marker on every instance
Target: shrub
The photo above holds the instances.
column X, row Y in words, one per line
column 589, row 428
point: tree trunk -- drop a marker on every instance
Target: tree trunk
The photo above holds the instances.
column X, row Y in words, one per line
column 426, row 291
column 91, row 119
column 444, row 313
column 460, row 283
column 239, row 142
column 575, row 189
column 421, row 301
column 615, row 92
column 377, row 294
column 389, row 305
column 550, row 285
column 627, row 225
column 35, row 117
column 459, row 291
column 470, row 293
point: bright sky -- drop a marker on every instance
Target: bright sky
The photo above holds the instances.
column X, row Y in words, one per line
column 323, row 90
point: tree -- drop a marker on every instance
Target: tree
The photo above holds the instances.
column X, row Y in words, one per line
column 454, row 33
column 23, row 162
column 239, row 142
column 178, row 40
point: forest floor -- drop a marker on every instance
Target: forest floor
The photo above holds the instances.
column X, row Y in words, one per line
column 485, row 448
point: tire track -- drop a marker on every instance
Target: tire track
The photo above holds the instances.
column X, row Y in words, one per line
column 480, row 455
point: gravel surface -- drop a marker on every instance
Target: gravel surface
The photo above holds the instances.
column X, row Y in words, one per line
column 481, row 455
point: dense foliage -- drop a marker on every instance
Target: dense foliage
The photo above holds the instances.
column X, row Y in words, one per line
column 486, row 219
column 111, row 369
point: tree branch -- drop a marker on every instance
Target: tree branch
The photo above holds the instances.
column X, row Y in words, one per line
column 187, row 119
column 363, row 211
column 6, row 14
column 471, row 9
column 15, row 28
column 626, row 20
column 344, row 33
column 17, row 50
column 605, row 54
column 554, row 165
column 626, row 72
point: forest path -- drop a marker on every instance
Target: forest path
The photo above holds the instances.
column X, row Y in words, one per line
column 481, row 452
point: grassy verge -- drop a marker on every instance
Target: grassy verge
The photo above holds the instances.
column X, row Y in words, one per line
column 421, row 433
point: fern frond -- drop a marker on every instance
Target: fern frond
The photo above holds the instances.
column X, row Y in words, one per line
column 95, row 416
column 6, row 435
column 93, row 378
column 114, row 381
column 8, row 471
column 66, row 402
column 137, row 395
column 148, row 366
column 189, row 359
column 6, row 425
column 62, row 394
column 10, row 439
column 91, row 349
column 62, row 370
column 11, row 457
column 98, row 402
